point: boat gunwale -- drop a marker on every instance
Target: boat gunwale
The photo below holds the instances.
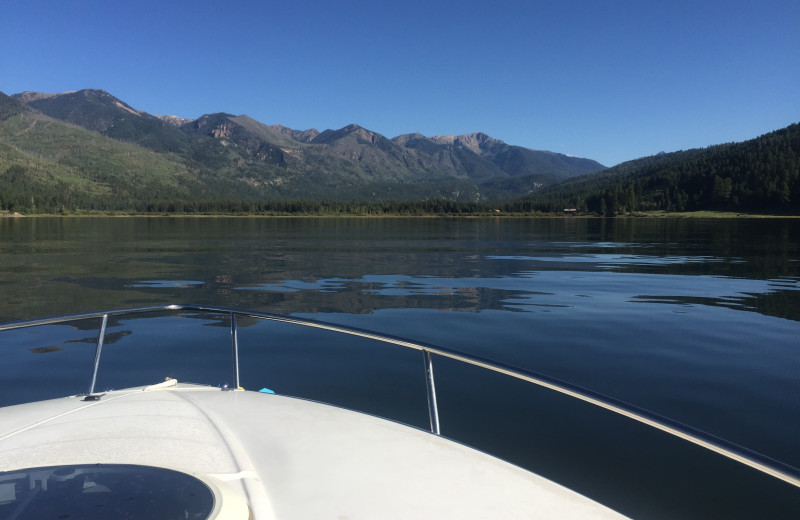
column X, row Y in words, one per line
column 721, row 446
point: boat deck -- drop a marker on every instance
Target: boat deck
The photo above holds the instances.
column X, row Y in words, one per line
column 289, row 458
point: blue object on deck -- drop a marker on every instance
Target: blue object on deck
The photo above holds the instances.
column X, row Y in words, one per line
column 266, row 391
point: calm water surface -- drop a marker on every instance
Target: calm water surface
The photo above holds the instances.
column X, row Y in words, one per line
column 698, row 320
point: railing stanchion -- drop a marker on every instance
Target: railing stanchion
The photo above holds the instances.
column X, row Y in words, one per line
column 433, row 409
column 98, row 349
column 235, row 350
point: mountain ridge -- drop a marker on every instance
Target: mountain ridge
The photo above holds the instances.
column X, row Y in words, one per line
column 101, row 108
column 239, row 157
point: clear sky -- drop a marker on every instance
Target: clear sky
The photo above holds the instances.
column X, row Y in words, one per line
column 610, row 80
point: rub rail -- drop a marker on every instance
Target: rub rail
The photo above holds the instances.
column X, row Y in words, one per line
column 705, row 440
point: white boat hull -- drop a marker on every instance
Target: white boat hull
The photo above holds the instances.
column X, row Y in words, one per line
column 286, row 458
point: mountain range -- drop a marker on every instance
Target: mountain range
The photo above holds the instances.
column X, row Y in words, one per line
column 88, row 150
column 101, row 151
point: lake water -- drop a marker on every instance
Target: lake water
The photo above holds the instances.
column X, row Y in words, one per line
column 697, row 320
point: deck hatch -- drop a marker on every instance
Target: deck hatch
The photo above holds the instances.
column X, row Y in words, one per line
column 102, row 491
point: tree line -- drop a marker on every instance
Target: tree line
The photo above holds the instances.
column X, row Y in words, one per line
column 760, row 175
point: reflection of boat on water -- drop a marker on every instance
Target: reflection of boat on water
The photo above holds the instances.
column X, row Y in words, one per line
column 179, row 450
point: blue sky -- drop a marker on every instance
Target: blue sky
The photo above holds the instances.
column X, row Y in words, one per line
column 606, row 79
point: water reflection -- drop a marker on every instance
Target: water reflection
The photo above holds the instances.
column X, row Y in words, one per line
column 694, row 319
column 618, row 261
column 172, row 284
column 51, row 266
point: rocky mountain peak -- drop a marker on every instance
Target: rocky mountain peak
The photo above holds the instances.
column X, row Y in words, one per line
column 29, row 96
column 443, row 139
column 302, row 136
column 477, row 142
column 174, row 120
column 349, row 133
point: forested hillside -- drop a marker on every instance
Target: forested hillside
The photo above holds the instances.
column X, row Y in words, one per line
column 48, row 166
column 759, row 175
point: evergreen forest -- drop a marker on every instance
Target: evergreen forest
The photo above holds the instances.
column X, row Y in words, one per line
column 761, row 175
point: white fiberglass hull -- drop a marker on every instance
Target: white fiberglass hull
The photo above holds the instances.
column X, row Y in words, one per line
column 286, row 458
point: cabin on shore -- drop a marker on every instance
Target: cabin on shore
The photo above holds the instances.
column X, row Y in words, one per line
column 570, row 211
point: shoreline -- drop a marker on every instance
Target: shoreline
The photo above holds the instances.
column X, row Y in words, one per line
column 636, row 215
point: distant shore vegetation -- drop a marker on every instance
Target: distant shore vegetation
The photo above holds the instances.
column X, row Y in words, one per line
column 311, row 208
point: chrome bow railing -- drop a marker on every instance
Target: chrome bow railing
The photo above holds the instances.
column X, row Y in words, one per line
column 710, row 442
